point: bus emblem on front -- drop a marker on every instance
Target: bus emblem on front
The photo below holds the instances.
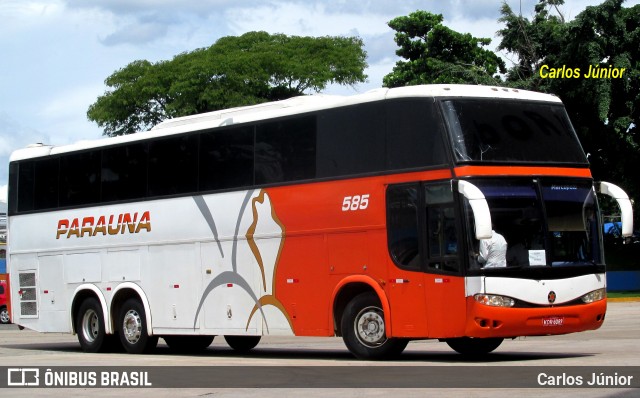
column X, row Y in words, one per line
column 551, row 297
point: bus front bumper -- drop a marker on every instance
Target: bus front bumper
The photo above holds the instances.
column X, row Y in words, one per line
column 487, row 321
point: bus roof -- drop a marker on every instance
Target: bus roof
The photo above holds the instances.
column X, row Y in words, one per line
column 292, row 106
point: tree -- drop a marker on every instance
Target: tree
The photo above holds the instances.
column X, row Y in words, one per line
column 437, row 54
column 235, row 71
column 605, row 111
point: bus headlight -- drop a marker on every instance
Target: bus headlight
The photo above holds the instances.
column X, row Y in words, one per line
column 494, row 300
column 594, row 296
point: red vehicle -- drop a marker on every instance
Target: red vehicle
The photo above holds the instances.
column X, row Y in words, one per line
column 4, row 300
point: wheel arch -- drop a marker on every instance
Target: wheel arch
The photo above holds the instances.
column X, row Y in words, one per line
column 82, row 293
column 122, row 293
column 350, row 287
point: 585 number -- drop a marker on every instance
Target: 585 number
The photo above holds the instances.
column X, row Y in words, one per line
column 355, row 203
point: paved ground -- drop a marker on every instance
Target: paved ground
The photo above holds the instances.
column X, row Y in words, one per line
column 614, row 345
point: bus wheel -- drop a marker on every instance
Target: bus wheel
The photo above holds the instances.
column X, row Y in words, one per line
column 242, row 343
column 90, row 326
column 364, row 331
column 133, row 328
column 471, row 346
column 4, row 316
column 188, row 343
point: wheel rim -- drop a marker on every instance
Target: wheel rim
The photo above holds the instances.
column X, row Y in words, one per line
column 4, row 316
column 132, row 326
column 369, row 327
column 90, row 326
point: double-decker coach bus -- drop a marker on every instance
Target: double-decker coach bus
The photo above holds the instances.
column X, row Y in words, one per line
column 363, row 217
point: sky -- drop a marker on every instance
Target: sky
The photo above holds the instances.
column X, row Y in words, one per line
column 56, row 54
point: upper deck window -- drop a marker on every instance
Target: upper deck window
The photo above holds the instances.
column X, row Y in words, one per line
column 489, row 130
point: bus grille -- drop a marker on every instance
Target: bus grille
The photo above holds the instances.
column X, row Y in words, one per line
column 28, row 294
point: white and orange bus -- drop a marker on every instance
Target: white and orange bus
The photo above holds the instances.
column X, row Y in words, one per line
column 357, row 216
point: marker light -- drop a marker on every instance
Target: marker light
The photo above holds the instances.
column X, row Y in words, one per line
column 594, row 296
column 494, row 300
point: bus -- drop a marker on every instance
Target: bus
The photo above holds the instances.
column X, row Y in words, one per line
column 358, row 216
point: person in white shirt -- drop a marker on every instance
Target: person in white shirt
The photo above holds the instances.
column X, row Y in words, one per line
column 493, row 252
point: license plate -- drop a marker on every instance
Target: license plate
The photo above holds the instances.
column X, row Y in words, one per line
column 553, row 321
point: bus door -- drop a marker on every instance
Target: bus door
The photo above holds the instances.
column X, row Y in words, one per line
column 406, row 273
column 444, row 287
column 426, row 289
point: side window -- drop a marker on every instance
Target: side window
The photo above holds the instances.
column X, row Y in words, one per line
column 46, row 184
column 80, row 178
column 173, row 165
column 25, row 185
column 226, row 159
column 414, row 135
column 402, row 225
column 442, row 238
column 351, row 140
column 124, row 172
column 285, row 150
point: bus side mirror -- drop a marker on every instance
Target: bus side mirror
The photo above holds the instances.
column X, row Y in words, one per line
column 479, row 207
column 622, row 198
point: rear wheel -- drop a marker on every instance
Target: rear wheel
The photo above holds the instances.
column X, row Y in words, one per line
column 188, row 343
column 132, row 328
column 473, row 346
column 364, row 331
column 90, row 326
column 242, row 343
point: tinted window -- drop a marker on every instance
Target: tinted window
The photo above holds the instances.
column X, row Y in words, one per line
column 285, row 150
column 13, row 188
column 226, row 159
column 441, row 227
column 80, row 178
column 124, row 172
column 173, row 165
column 512, row 131
column 25, row 186
column 414, row 135
column 402, row 225
column 46, row 184
column 351, row 140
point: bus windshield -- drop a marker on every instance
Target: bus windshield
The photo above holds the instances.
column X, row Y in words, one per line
column 490, row 130
column 545, row 222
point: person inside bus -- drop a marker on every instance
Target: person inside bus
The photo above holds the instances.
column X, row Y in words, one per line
column 493, row 251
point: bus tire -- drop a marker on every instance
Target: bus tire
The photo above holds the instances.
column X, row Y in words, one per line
column 90, row 326
column 242, row 343
column 474, row 346
column 188, row 343
column 133, row 329
column 4, row 315
column 364, row 331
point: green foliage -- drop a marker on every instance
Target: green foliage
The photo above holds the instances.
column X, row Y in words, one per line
column 605, row 112
column 235, row 71
column 437, row 54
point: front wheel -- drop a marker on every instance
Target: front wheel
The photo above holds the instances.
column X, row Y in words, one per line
column 474, row 347
column 364, row 331
column 4, row 316
column 133, row 328
column 242, row 343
